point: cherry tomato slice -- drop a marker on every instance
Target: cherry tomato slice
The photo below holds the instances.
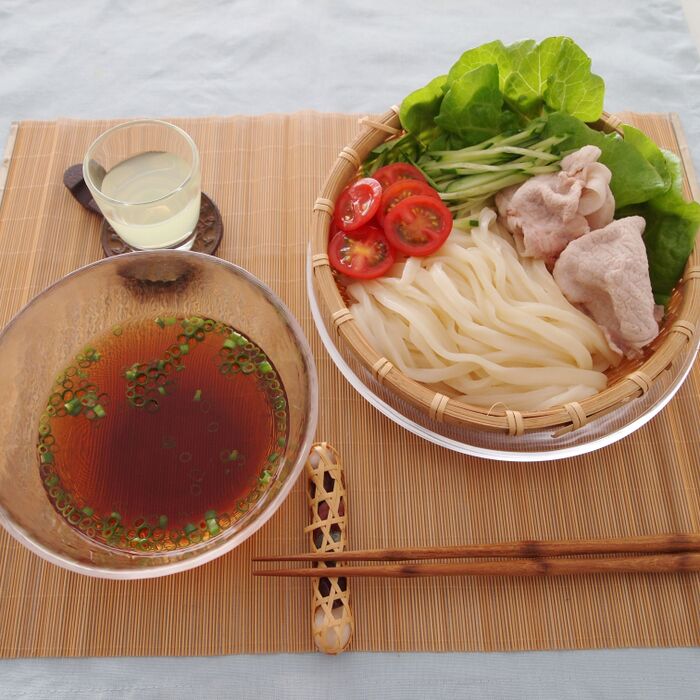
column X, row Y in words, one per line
column 365, row 231
column 390, row 174
column 357, row 204
column 402, row 189
column 364, row 258
column 418, row 225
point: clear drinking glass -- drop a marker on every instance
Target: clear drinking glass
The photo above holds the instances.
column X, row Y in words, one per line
column 91, row 301
column 145, row 177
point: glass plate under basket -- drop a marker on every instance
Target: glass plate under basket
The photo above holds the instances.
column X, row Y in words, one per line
column 531, row 447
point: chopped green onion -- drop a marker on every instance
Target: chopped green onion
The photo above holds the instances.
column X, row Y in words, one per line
column 161, row 365
column 184, row 348
column 282, row 441
column 265, row 478
column 47, row 458
column 99, row 411
column 161, row 390
column 115, row 516
column 238, row 338
column 473, row 223
column 73, row 406
column 88, row 511
column 130, row 374
column 159, row 321
column 229, row 344
column 233, row 456
column 170, row 321
column 197, row 395
column 51, row 480
column 273, row 457
column 213, row 526
column 117, row 330
column 90, row 354
column 190, row 528
column 265, row 367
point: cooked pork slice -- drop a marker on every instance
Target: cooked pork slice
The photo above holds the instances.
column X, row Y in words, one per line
column 544, row 211
column 579, row 160
column 548, row 211
column 606, row 273
column 597, row 202
column 598, row 218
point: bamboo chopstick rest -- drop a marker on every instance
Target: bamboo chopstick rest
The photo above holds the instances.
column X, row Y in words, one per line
column 332, row 622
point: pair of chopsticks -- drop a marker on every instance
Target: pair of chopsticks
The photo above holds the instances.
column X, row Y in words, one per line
column 652, row 554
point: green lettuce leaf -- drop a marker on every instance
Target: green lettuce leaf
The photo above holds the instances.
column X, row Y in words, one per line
column 656, row 157
column 634, row 179
column 494, row 53
column 555, row 73
column 472, row 108
column 419, row 109
column 494, row 88
column 518, row 51
column 669, row 235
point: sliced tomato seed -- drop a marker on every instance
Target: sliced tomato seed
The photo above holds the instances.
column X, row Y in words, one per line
column 418, row 225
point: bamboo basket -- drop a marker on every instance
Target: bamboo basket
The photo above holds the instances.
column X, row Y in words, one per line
column 627, row 382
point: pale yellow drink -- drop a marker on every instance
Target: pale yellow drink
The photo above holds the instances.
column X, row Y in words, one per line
column 163, row 204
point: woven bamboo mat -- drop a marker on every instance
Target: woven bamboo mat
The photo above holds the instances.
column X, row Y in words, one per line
column 264, row 174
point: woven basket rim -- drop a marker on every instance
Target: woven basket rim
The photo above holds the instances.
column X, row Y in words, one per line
column 677, row 337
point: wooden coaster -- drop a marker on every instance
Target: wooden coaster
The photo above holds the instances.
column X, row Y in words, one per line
column 73, row 180
column 210, row 227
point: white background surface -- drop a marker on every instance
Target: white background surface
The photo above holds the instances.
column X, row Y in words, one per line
column 692, row 14
column 111, row 58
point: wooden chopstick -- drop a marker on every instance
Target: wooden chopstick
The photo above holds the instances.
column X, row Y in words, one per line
column 536, row 566
column 652, row 544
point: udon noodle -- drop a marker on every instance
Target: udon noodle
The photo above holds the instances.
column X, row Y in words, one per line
column 477, row 321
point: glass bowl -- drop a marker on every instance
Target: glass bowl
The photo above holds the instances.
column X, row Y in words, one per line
column 530, row 447
column 39, row 342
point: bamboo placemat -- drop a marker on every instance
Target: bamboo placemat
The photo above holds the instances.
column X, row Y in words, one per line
column 264, row 174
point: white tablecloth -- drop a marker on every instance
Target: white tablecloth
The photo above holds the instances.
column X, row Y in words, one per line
column 110, row 58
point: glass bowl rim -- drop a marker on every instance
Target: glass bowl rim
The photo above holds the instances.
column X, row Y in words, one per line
column 197, row 559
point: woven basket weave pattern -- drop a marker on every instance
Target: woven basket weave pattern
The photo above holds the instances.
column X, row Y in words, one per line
column 629, row 381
